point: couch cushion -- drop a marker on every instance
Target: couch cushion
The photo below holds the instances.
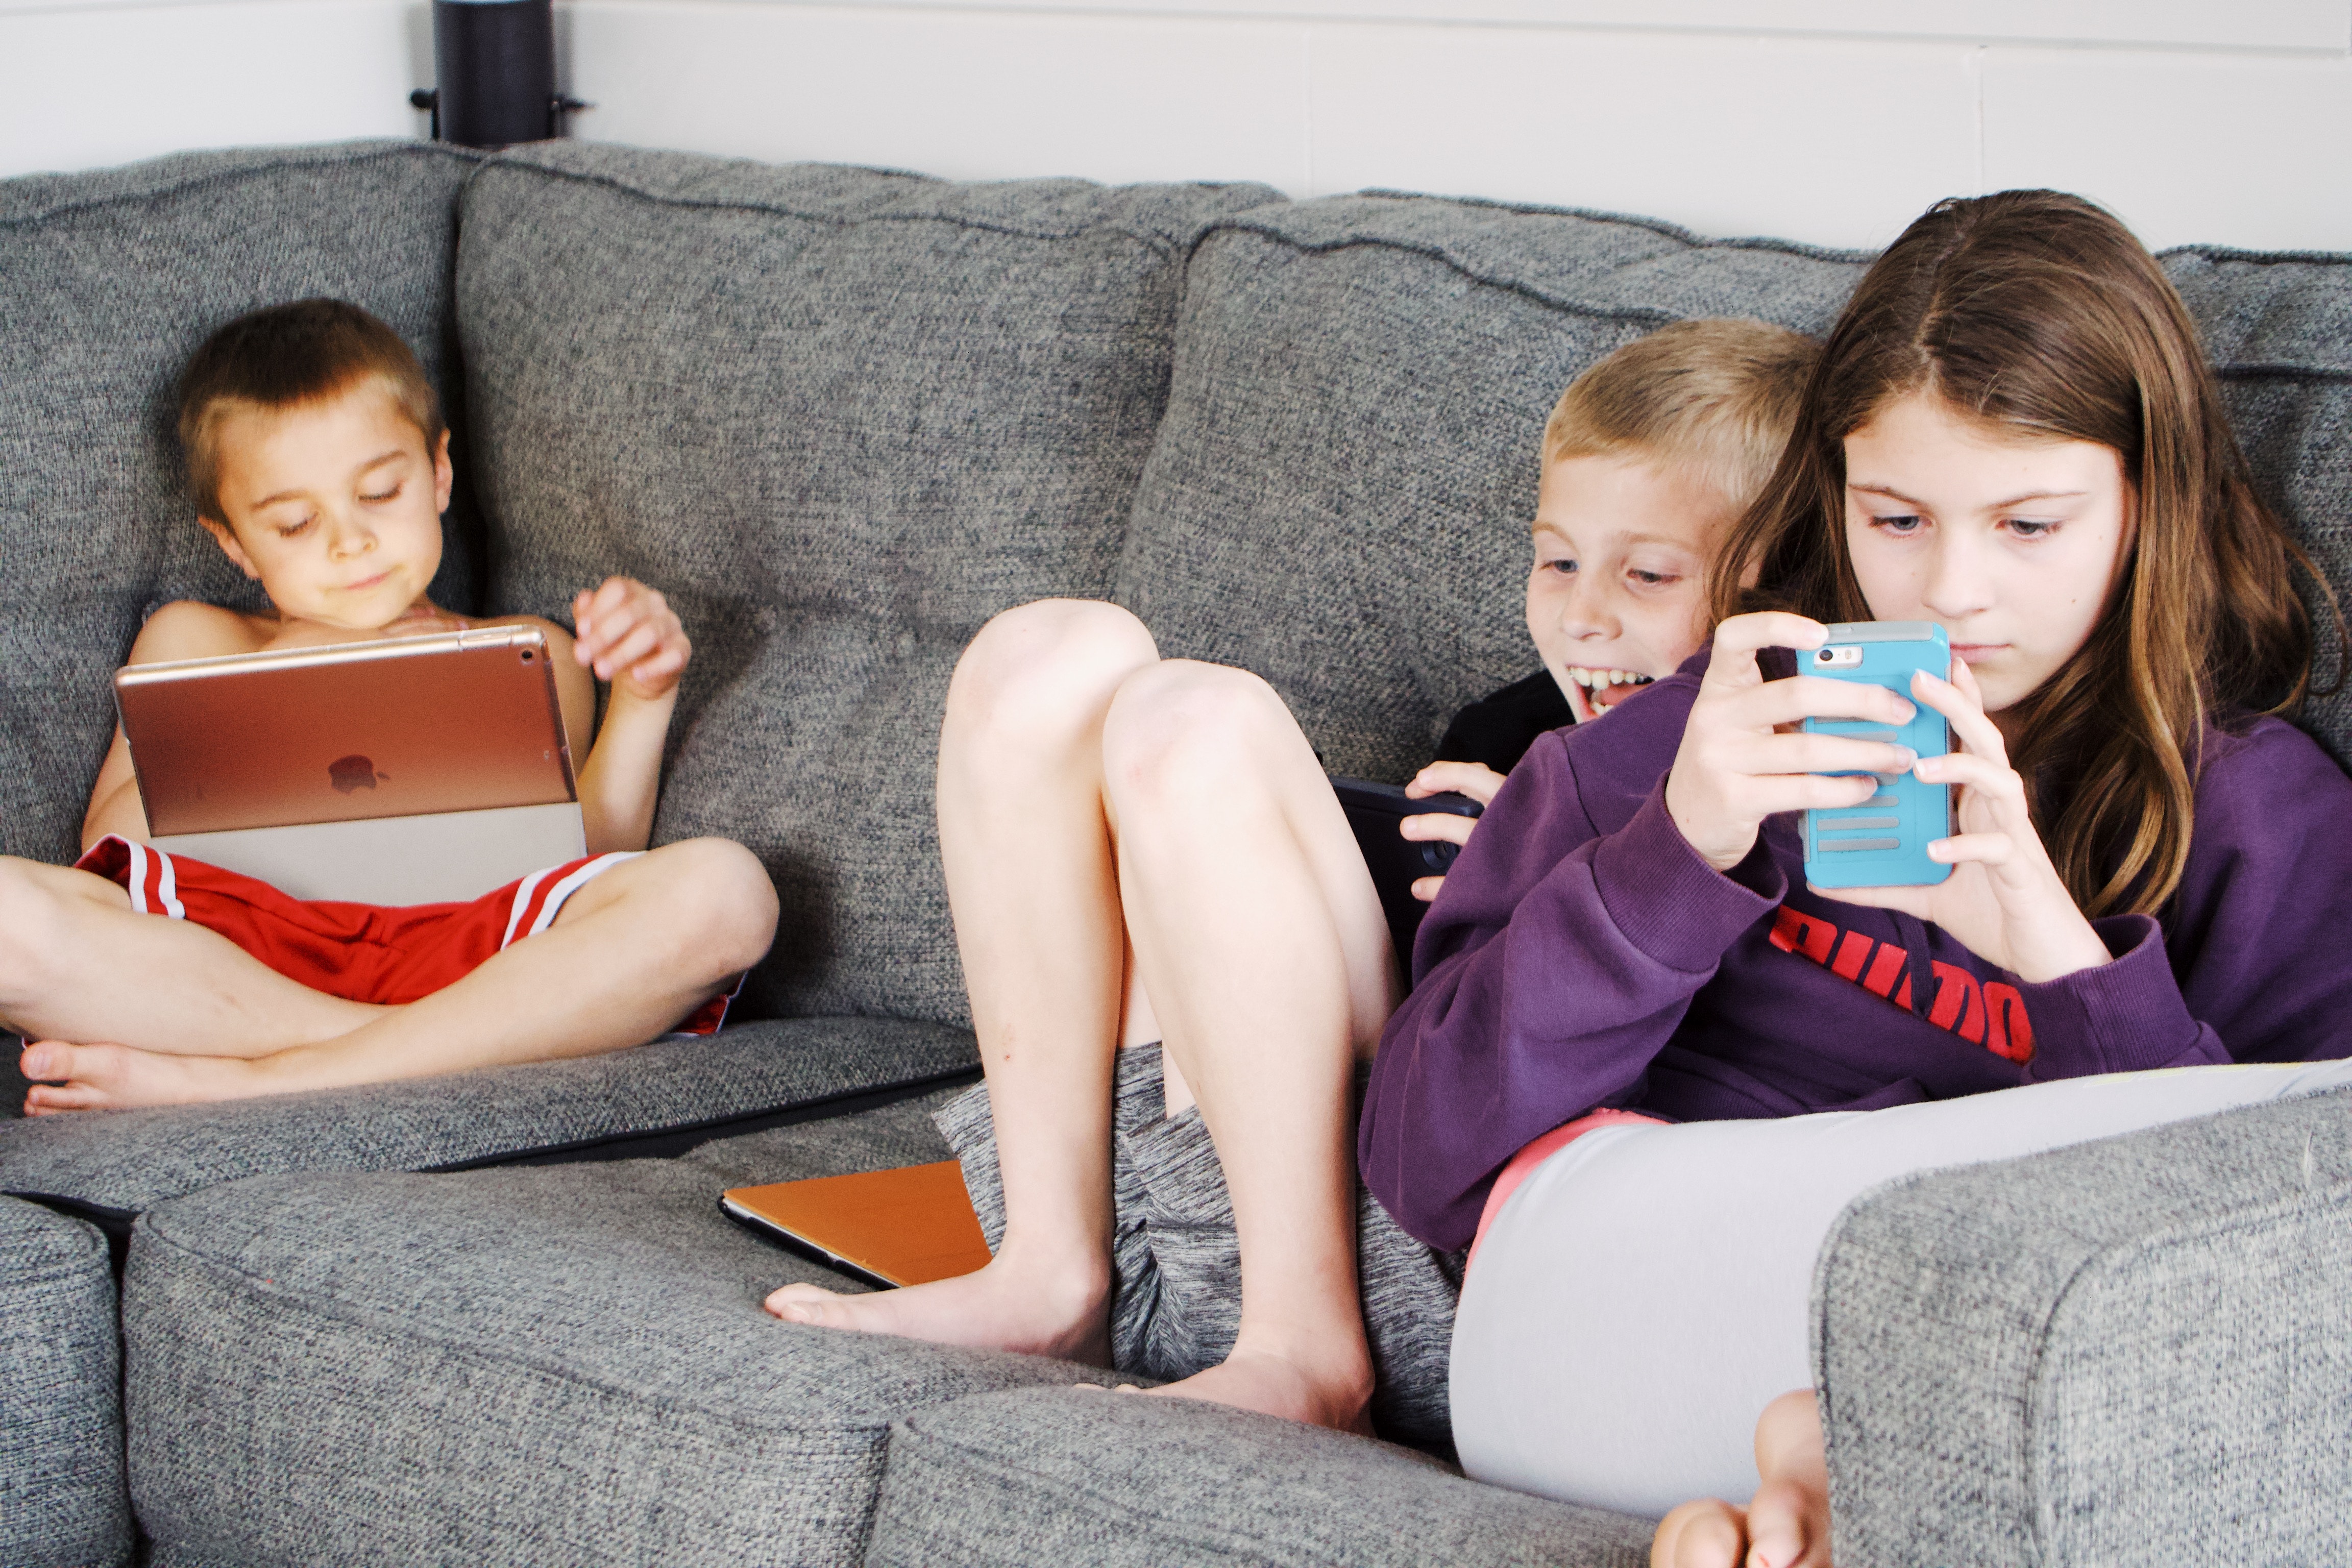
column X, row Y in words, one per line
column 841, row 417
column 656, row 1098
column 2279, row 329
column 546, row 1365
column 1073, row 1475
column 113, row 279
column 2136, row 1351
column 1339, row 496
column 61, row 1497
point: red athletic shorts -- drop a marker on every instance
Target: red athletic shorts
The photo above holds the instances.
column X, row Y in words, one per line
column 362, row 953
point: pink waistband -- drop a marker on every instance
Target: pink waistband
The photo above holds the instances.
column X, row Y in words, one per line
column 1523, row 1164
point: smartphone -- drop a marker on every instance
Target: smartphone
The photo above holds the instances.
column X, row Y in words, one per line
column 1883, row 842
column 1375, row 812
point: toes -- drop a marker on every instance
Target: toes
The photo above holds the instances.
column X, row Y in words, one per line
column 1703, row 1534
column 799, row 1303
column 49, row 1099
column 45, row 1059
column 1781, row 1531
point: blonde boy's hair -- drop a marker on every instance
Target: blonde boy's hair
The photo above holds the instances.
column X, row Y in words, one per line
column 1718, row 396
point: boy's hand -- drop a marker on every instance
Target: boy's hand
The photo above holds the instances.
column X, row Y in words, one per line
column 1476, row 780
column 628, row 635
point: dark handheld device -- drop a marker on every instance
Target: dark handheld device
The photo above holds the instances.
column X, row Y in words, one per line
column 1883, row 842
column 1396, row 862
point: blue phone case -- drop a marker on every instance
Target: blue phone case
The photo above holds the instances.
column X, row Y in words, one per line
column 1883, row 842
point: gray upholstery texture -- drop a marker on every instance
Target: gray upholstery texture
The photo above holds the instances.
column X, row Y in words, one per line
column 127, row 1159
column 1340, row 493
column 555, row 1364
column 108, row 281
column 62, row 1504
column 2279, row 329
column 2132, row 1351
column 840, row 417
column 1066, row 1476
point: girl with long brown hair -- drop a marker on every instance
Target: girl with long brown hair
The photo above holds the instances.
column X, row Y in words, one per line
column 2014, row 433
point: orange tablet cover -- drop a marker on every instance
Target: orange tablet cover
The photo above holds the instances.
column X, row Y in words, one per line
column 906, row 1227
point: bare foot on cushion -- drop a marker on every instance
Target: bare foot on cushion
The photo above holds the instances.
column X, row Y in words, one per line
column 1272, row 1384
column 108, row 1078
column 1785, row 1525
column 1062, row 1312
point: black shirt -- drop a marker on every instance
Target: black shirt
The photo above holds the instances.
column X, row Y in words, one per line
column 1498, row 728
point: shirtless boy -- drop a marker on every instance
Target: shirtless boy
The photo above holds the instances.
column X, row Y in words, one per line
column 1148, row 866
column 318, row 461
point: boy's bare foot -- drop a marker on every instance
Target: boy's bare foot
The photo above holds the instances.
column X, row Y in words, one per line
column 1276, row 1385
column 108, row 1078
column 1063, row 1312
column 1785, row 1525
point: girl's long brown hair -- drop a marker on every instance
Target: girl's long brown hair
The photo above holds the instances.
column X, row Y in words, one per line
column 2040, row 311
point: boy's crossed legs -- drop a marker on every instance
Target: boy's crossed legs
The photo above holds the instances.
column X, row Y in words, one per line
column 1123, row 837
column 170, row 1012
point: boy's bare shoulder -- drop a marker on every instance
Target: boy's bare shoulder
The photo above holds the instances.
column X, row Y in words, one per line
column 190, row 628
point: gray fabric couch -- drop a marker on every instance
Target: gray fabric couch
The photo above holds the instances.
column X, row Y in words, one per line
column 842, row 416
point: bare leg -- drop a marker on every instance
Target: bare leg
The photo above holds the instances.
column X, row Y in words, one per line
column 1259, row 938
column 632, row 952
column 1785, row 1525
column 1032, row 882
column 70, row 940
column 1218, row 802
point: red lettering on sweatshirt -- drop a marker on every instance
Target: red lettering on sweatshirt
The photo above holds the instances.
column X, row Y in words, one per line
column 1989, row 1013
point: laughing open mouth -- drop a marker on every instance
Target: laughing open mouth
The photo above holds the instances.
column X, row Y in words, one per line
column 1593, row 693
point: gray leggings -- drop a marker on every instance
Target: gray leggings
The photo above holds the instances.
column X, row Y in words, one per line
column 1644, row 1294
column 1177, row 1291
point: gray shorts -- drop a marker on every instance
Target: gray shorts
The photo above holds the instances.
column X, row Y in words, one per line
column 1176, row 1280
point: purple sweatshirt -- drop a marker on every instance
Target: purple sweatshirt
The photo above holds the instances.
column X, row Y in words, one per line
column 1582, row 955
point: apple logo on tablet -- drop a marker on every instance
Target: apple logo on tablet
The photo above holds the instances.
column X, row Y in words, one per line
column 347, row 773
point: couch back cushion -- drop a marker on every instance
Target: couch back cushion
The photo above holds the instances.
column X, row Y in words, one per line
column 2279, row 330
column 1341, row 494
column 840, row 417
column 113, row 278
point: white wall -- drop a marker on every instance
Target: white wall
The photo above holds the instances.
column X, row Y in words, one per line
column 1830, row 121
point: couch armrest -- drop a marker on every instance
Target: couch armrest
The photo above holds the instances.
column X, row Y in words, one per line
column 2133, row 1350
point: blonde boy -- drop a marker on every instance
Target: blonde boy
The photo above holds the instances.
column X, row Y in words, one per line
column 318, row 462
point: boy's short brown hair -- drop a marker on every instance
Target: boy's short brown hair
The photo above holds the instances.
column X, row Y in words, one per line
column 284, row 357
column 1718, row 396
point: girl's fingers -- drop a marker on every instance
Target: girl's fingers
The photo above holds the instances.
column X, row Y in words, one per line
column 1799, row 752
column 1425, row 888
column 1438, row 826
column 1964, row 711
column 1987, row 776
column 1737, row 641
column 1987, row 850
column 1772, row 794
column 1814, row 697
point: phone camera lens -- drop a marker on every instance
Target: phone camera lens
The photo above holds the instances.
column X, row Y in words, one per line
column 526, row 655
column 1823, row 657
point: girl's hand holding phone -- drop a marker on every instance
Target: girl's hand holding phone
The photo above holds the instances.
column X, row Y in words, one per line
column 1742, row 761
column 2004, row 899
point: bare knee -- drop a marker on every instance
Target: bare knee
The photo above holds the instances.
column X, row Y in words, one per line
column 719, row 908
column 34, row 921
column 1047, row 666
column 1183, row 732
